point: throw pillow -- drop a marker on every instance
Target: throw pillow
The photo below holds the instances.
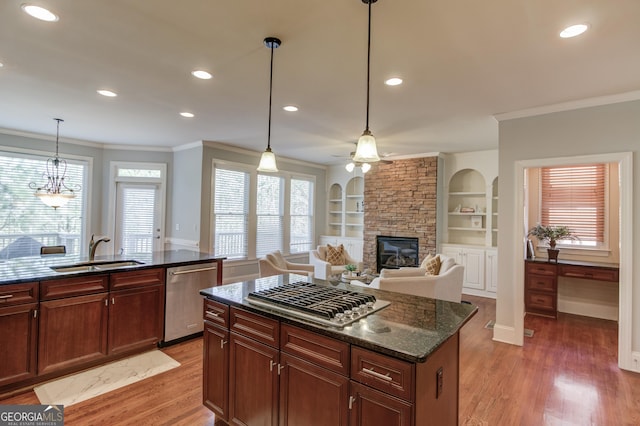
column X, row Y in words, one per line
column 446, row 263
column 426, row 260
column 433, row 266
column 335, row 255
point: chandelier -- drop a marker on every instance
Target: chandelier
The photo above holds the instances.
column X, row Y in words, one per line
column 55, row 192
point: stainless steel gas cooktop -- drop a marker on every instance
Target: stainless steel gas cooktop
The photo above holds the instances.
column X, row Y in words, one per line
column 324, row 305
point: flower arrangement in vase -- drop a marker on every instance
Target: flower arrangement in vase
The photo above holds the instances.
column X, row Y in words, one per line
column 551, row 235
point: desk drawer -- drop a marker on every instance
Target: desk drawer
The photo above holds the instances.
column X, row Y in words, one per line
column 541, row 283
column 589, row 273
column 540, row 268
column 538, row 300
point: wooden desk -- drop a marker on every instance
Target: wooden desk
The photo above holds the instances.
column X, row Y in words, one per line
column 541, row 282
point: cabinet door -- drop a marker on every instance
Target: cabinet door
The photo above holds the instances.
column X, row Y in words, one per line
column 492, row 270
column 215, row 386
column 372, row 407
column 455, row 253
column 311, row 395
column 253, row 382
column 136, row 318
column 18, row 338
column 72, row 331
column 473, row 268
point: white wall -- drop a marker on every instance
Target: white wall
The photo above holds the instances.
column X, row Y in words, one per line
column 593, row 131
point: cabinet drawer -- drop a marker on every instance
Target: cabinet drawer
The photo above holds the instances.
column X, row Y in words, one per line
column 540, row 268
column 17, row 294
column 320, row 350
column 67, row 287
column 382, row 372
column 536, row 300
column 589, row 273
column 541, row 283
column 258, row 327
column 138, row 278
column 216, row 313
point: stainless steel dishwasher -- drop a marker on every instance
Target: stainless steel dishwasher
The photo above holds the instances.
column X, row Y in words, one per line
column 183, row 302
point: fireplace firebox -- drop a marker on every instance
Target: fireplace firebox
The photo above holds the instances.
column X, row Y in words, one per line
column 396, row 252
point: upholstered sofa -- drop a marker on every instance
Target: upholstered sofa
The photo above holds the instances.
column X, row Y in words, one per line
column 447, row 285
column 275, row 264
column 323, row 269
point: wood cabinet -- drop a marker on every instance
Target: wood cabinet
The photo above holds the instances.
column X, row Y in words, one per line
column 18, row 332
column 136, row 310
column 282, row 374
column 73, row 322
column 215, row 385
column 541, row 289
column 87, row 318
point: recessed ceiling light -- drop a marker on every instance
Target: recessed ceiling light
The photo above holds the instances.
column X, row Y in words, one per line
column 573, row 30
column 290, row 108
column 201, row 74
column 107, row 93
column 40, row 13
column 394, row 81
column 187, row 114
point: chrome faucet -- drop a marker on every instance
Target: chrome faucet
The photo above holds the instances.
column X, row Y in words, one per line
column 94, row 244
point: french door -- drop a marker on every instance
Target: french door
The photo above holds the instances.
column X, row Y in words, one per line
column 138, row 211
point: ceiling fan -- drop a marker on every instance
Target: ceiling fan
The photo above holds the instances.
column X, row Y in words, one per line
column 365, row 166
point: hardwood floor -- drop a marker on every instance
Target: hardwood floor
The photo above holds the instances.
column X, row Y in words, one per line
column 566, row 374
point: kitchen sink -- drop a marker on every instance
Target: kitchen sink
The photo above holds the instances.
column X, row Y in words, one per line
column 96, row 266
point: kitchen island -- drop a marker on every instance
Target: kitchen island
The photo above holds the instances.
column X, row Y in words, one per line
column 397, row 365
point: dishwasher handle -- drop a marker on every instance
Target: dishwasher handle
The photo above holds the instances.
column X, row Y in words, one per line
column 192, row 271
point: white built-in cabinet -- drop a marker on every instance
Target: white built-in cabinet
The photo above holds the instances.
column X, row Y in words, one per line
column 345, row 214
column 471, row 218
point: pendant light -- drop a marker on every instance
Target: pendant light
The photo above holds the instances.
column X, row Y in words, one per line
column 366, row 151
column 268, row 159
column 55, row 192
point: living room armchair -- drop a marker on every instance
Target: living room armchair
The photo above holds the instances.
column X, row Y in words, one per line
column 275, row 264
column 326, row 265
column 446, row 285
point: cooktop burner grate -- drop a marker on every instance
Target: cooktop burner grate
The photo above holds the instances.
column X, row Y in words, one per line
column 327, row 305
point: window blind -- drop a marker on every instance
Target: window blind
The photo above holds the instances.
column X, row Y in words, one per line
column 25, row 221
column 138, row 204
column 231, row 209
column 269, row 214
column 301, row 212
column 574, row 196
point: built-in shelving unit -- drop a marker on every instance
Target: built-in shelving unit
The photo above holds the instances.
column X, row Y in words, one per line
column 335, row 210
column 354, row 207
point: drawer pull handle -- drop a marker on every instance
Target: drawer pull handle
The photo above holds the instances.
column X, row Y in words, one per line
column 213, row 314
column 6, row 296
column 352, row 399
column 378, row 375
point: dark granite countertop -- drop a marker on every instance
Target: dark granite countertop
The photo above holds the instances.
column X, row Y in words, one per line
column 37, row 268
column 410, row 328
column 574, row 262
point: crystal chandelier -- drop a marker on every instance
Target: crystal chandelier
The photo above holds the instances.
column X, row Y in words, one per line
column 55, row 192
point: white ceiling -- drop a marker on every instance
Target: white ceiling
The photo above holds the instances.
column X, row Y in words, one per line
column 462, row 61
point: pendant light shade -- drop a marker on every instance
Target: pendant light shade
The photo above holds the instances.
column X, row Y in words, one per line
column 268, row 159
column 55, row 192
column 366, row 150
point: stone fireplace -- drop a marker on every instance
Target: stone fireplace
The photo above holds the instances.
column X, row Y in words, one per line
column 396, row 252
column 401, row 200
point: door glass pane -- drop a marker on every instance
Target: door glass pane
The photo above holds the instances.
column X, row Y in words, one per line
column 136, row 218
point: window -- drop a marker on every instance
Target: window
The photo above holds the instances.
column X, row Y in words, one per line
column 230, row 211
column 269, row 214
column 575, row 196
column 301, row 235
column 26, row 223
column 254, row 213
